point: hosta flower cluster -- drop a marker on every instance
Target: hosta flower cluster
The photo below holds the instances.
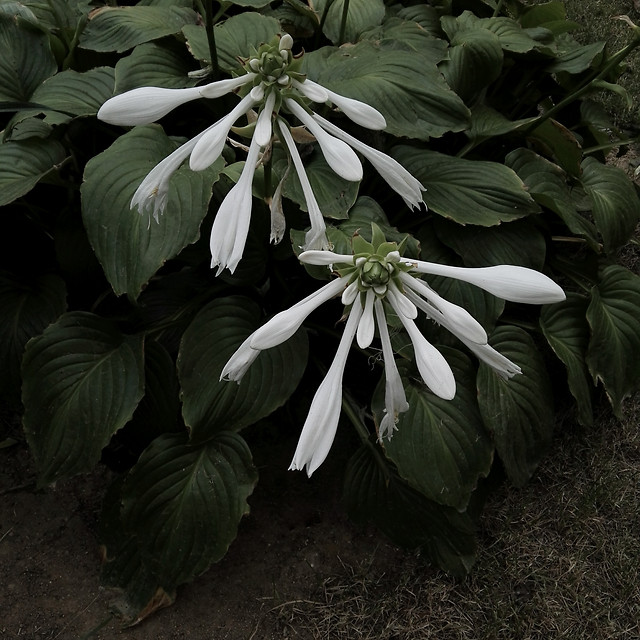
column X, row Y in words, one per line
column 374, row 280
column 271, row 85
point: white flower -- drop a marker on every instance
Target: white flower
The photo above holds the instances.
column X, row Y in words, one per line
column 376, row 275
column 273, row 85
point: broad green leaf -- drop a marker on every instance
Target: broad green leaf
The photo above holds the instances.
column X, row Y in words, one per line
column 565, row 327
column 25, row 58
column 154, row 65
column 130, row 246
column 395, row 33
column 555, row 141
column 70, row 93
column 441, row 447
column 59, row 15
column 519, row 411
column 82, row 380
column 549, row 15
column 24, row 163
column 475, row 61
column 211, row 405
column 425, row 15
column 374, row 492
column 334, row 194
column 548, row 184
column 511, row 35
column 27, row 307
column 487, row 123
column 236, row 38
column 404, row 86
column 613, row 356
column 577, row 59
column 615, row 203
column 121, row 28
column 256, row 4
column 467, row 191
column 518, row 242
column 361, row 15
column 184, row 502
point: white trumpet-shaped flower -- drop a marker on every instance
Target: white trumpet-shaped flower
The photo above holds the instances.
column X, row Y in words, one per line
column 271, row 84
column 373, row 280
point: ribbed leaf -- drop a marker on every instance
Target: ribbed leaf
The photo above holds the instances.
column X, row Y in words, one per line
column 154, row 65
column 122, row 28
column 404, row 86
column 565, row 327
column 374, row 492
column 467, row 191
column 518, row 411
column 615, row 204
column 25, row 58
column 211, row 405
column 361, row 15
column 548, row 184
column 24, row 163
column 82, row 380
column 511, row 35
column 560, row 144
column 235, row 38
column 577, row 59
column 130, row 246
column 27, row 307
column 441, row 447
column 614, row 317
column 184, row 502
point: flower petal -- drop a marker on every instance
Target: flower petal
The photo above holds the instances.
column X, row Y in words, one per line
column 144, row 105
column 366, row 327
column 222, row 87
column 325, row 258
column 311, row 90
column 231, row 224
column 320, row 427
column 392, row 172
column 239, row 362
column 401, row 303
column 263, row 129
column 339, row 155
column 284, row 324
column 509, row 282
column 210, row 145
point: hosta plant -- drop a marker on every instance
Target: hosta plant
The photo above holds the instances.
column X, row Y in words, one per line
column 395, row 215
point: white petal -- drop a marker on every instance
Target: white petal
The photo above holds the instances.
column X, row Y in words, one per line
column 465, row 324
column 262, row 133
column 434, row 369
column 278, row 221
column 316, row 238
column 144, row 105
column 239, row 362
column 509, row 282
column 286, row 41
column 222, row 87
column 366, row 328
column 284, row 324
column 311, row 90
column 395, row 399
column 339, row 155
column 211, row 144
column 350, row 294
column 392, row 172
column 324, row 258
column 231, row 224
column 401, row 303
column 320, row 427
column 504, row 367
column 359, row 112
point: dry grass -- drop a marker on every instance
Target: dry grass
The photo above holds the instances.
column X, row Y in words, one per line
column 559, row 559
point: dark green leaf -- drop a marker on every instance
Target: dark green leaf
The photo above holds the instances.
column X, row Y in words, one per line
column 82, row 380
column 211, row 405
column 130, row 246
column 565, row 327
column 23, row 164
column 184, row 503
column 441, row 447
column 555, row 141
column 467, row 191
column 614, row 350
column 518, row 411
column 374, row 492
column 122, row 28
column 361, row 15
column 577, row 59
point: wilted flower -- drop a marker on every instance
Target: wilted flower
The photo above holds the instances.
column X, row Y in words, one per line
column 272, row 85
column 371, row 281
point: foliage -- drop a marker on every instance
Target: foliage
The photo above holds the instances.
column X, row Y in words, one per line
column 116, row 330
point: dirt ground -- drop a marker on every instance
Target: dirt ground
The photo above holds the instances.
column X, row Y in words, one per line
column 296, row 535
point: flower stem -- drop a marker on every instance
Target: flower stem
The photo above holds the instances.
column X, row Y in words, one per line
column 343, row 20
column 211, row 38
column 496, row 11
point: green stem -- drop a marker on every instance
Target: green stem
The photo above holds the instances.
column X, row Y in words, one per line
column 323, row 19
column 609, row 145
column 343, row 21
column 586, row 87
column 211, row 38
column 496, row 11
